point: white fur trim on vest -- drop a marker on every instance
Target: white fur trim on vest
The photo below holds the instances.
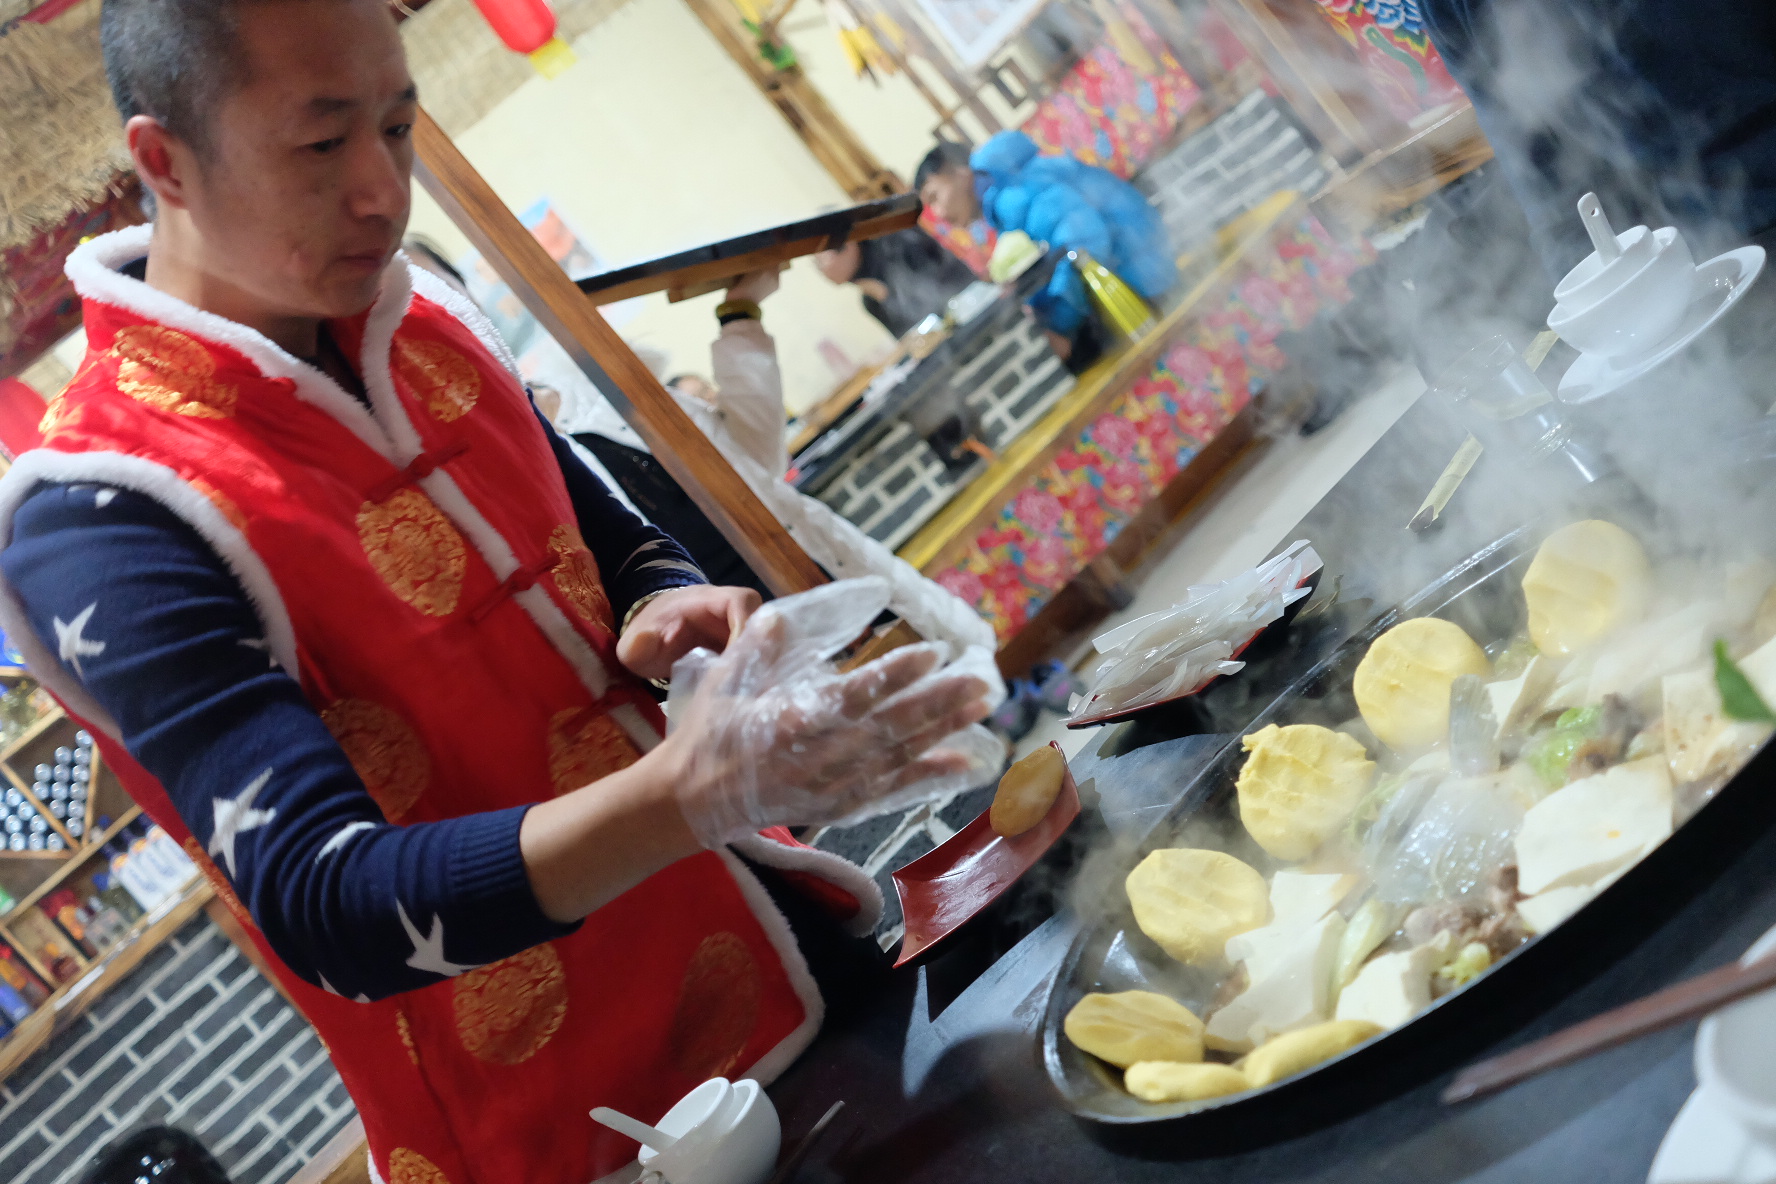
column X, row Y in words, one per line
column 795, row 967
column 93, row 269
column 826, row 866
column 43, row 465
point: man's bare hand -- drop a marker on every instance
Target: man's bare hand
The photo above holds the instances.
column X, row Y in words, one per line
column 673, row 624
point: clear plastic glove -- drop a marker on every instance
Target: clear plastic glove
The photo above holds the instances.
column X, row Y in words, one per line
column 774, row 734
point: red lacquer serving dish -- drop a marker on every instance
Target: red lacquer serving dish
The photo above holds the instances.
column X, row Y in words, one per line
column 943, row 890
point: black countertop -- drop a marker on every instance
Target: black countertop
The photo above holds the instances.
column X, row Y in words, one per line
column 941, row 1075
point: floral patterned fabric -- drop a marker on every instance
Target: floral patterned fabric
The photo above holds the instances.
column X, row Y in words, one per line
column 1390, row 39
column 1105, row 113
column 1078, row 503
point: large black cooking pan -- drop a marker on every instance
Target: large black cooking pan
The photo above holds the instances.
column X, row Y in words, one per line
column 1483, row 596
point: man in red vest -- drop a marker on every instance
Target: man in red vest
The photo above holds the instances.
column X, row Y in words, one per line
column 352, row 624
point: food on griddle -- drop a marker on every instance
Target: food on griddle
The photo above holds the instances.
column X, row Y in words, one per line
column 1392, row 988
column 1288, row 963
column 1027, row 791
column 1299, row 785
column 1172, row 1081
column 1190, row 901
column 1290, row 1053
column 1508, row 797
column 1402, row 683
column 1586, row 581
column 1132, row 1026
column 1596, row 826
column 1701, row 738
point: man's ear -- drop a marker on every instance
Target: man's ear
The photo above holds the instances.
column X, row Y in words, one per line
column 163, row 162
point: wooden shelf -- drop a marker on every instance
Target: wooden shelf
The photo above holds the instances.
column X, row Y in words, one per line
column 49, row 720
column 76, row 859
column 71, row 1000
column 49, row 856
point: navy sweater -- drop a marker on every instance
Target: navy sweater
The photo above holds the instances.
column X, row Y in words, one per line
column 149, row 619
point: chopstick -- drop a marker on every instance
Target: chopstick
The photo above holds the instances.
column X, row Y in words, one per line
column 1675, row 1004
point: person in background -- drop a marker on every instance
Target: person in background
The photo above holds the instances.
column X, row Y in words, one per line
column 742, row 414
column 904, row 277
column 745, row 399
column 1066, row 204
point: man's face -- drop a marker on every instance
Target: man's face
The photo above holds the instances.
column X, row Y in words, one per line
column 950, row 195
column 304, row 193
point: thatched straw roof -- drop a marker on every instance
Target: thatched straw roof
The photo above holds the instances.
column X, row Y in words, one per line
column 60, row 143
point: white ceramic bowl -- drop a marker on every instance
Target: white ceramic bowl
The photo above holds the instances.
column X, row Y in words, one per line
column 1736, row 1056
column 727, row 1134
column 1594, row 279
column 1642, row 310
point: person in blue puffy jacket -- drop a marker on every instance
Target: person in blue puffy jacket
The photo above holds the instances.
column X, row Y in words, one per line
column 1057, row 200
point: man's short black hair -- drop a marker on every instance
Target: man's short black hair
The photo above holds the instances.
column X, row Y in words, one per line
column 172, row 59
column 941, row 159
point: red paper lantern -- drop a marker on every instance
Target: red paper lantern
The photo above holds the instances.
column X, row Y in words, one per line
column 524, row 25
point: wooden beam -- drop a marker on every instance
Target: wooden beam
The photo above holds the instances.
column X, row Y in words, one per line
column 575, row 323
column 838, row 149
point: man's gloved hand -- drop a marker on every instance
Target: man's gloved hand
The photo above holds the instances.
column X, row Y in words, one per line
column 772, row 734
column 674, row 623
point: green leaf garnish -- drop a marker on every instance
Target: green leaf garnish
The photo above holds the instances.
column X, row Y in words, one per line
column 1739, row 699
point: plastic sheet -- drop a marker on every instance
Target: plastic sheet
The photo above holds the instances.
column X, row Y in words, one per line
column 1178, row 650
column 1442, row 838
column 783, row 737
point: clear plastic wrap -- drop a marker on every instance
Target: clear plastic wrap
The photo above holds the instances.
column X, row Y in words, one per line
column 1442, row 838
column 1177, row 651
column 778, row 735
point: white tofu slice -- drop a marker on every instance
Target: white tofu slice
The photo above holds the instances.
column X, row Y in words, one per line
column 1291, row 988
column 1301, row 898
column 1517, row 700
column 1594, row 826
column 1759, row 667
column 1699, row 738
column 1392, row 988
column 1648, row 652
column 1544, row 911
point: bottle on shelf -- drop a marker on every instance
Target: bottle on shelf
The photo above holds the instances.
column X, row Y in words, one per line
column 63, row 907
column 117, row 897
column 15, row 974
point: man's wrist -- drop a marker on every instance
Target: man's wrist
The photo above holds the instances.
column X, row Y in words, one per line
column 635, row 609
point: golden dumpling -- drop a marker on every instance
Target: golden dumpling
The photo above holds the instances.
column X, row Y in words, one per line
column 1299, row 785
column 1027, row 792
column 1170, row 1081
column 1132, row 1026
column 1586, row 580
column 1402, row 683
column 1191, row 901
column 1292, row 1052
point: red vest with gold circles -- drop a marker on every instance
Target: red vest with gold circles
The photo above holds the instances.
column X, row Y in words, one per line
column 419, row 568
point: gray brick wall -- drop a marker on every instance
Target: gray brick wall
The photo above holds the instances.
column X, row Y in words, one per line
column 194, row 1038
column 1229, row 167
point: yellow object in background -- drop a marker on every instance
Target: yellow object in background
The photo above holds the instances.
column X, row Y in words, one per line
column 1402, row 684
column 554, row 58
column 1124, row 312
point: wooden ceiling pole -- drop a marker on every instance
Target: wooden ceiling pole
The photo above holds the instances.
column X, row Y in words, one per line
column 574, row 321
column 839, row 150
